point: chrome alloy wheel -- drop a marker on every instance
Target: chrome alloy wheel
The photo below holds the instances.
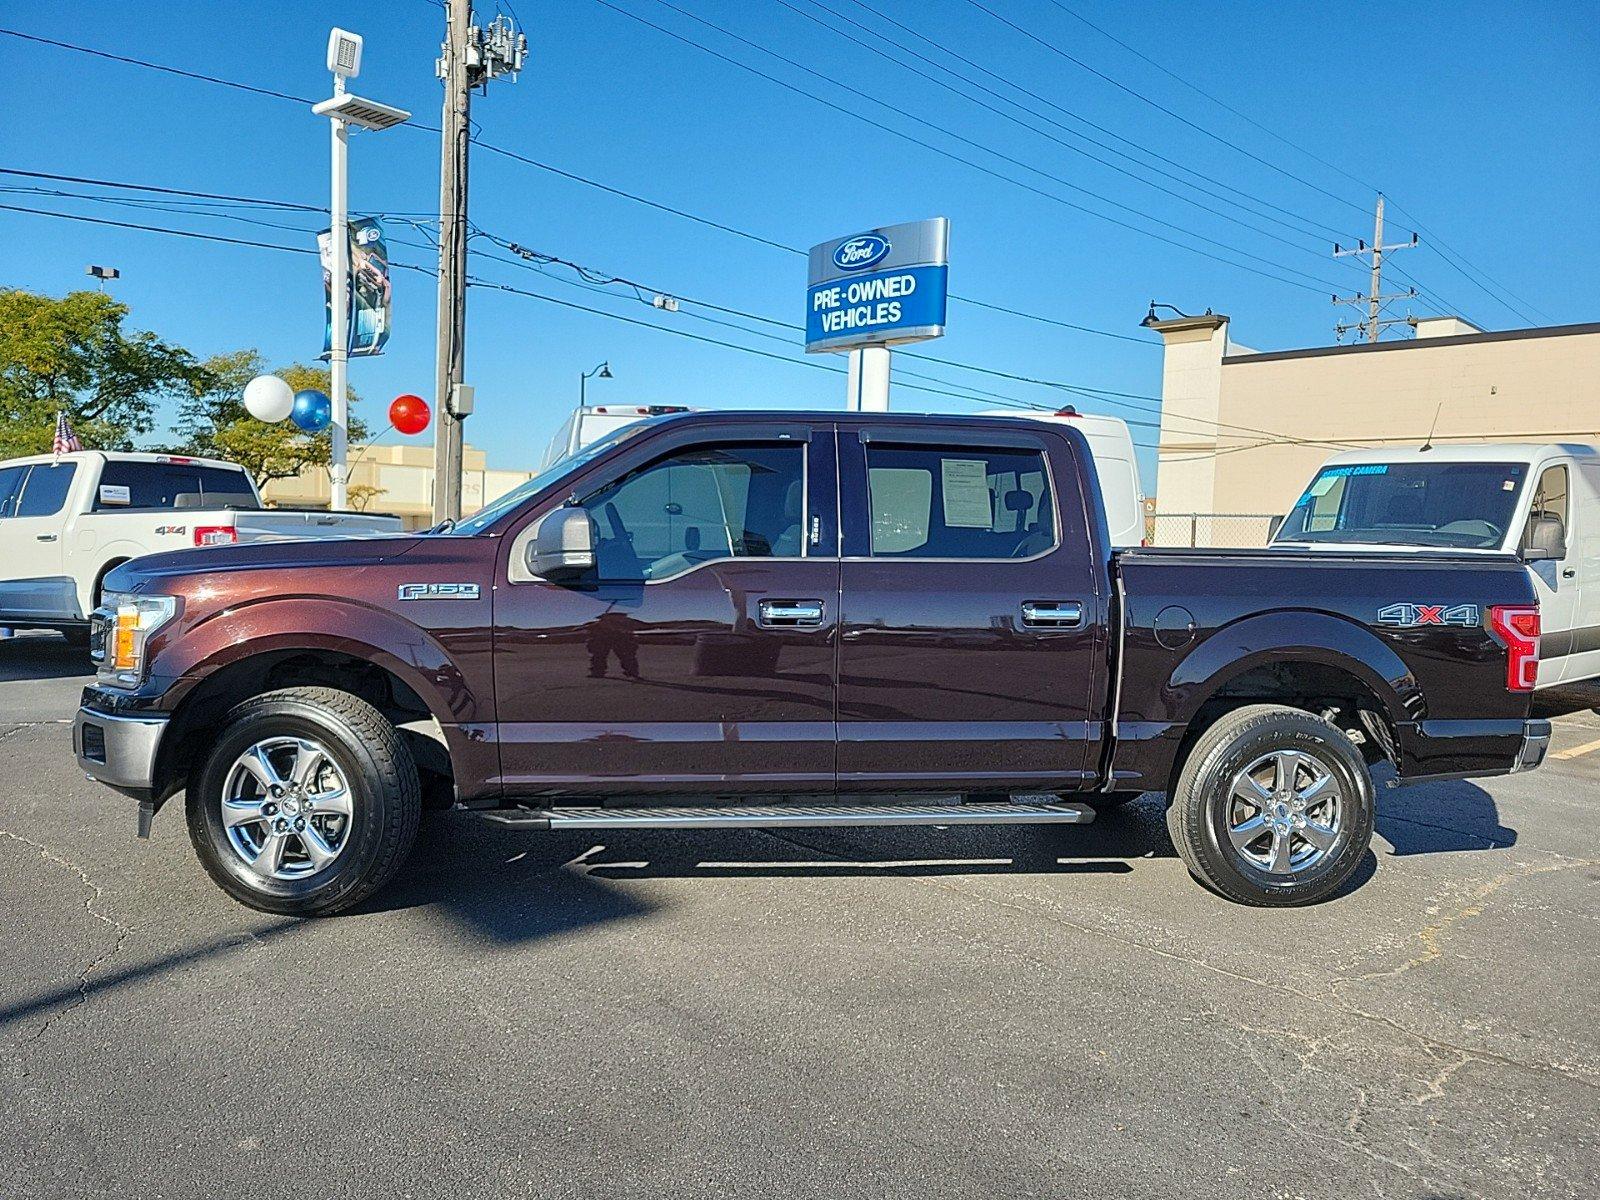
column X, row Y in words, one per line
column 286, row 807
column 1285, row 812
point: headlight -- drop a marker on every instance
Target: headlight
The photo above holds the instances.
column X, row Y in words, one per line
column 121, row 629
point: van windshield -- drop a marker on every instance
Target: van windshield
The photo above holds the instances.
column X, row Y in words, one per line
column 492, row 512
column 1459, row 505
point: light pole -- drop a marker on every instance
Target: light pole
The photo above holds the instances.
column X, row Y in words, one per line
column 603, row 371
column 343, row 110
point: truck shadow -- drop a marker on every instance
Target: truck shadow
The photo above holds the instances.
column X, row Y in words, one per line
column 27, row 656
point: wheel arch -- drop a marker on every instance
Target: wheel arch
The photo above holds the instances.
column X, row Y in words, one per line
column 1315, row 662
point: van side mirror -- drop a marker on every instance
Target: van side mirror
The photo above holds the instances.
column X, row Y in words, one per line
column 1273, row 525
column 1545, row 538
column 563, row 547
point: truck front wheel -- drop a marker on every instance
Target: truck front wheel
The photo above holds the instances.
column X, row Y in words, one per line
column 307, row 803
column 1273, row 806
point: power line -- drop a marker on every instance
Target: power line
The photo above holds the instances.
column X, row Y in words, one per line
column 1316, row 284
column 1485, row 284
column 1314, row 228
column 571, row 176
column 1045, row 133
column 1143, row 99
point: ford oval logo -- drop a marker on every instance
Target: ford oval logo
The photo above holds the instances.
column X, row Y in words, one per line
column 859, row 253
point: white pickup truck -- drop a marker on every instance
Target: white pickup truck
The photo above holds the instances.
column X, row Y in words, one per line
column 66, row 520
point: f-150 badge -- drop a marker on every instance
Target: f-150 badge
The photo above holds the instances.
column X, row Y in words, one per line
column 1409, row 616
column 438, row 591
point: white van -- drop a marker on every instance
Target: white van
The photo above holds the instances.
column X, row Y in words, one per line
column 587, row 425
column 1541, row 502
column 1112, row 447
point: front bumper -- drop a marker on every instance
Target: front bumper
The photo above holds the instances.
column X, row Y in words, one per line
column 119, row 751
column 1535, row 744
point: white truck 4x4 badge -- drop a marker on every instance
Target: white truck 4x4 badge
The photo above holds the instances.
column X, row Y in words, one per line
column 1409, row 616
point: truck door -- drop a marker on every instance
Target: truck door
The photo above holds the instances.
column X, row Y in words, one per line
column 38, row 587
column 971, row 624
column 1558, row 583
column 1569, row 590
column 698, row 656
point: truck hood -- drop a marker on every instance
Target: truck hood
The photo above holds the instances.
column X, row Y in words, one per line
column 150, row 572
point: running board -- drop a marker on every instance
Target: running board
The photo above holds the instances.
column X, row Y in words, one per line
column 778, row 816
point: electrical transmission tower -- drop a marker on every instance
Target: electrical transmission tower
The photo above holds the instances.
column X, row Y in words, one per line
column 1374, row 300
column 473, row 55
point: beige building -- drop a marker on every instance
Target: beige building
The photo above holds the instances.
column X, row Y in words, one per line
column 397, row 480
column 1243, row 431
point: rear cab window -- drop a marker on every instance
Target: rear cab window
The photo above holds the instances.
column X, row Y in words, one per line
column 171, row 485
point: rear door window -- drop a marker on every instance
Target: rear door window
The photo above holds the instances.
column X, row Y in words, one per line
column 45, row 492
column 965, row 502
column 171, row 485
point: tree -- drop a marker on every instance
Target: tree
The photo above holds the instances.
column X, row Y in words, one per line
column 212, row 420
column 73, row 355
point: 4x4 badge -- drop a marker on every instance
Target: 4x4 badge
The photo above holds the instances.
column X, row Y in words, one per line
column 1409, row 616
column 438, row 591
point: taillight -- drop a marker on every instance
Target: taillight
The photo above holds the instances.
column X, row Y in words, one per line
column 215, row 535
column 1518, row 627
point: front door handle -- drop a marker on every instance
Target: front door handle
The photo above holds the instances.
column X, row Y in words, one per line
column 1052, row 614
column 789, row 613
column 44, row 537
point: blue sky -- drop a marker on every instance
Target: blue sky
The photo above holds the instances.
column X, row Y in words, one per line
column 1478, row 120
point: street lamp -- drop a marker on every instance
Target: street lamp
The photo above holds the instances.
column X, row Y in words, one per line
column 603, row 371
column 343, row 110
column 103, row 274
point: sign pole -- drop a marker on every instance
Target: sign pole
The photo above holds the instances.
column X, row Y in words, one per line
column 870, row 291
column 339, row 311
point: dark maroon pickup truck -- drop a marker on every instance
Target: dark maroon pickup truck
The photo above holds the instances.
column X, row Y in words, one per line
column 772, row 620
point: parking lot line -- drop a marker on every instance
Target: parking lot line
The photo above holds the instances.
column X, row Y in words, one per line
column 1576, row 751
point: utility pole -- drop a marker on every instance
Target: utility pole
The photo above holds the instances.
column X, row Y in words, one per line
column 1374, row 300
column 471, row 57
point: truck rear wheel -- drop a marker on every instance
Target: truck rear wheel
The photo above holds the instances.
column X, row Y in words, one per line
column 308, row 802
column 1273, row 807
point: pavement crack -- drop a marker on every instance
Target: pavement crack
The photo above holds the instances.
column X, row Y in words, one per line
column 1330, row 997
column 90, row 905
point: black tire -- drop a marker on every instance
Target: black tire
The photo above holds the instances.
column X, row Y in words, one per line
column 385, row 799
column 1201, row 804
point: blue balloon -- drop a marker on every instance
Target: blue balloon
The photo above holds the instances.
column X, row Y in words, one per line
column 312, row 411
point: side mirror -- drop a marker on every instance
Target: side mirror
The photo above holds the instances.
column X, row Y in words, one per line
column 1545, row 538
column 563, row 547
column 1273, row 525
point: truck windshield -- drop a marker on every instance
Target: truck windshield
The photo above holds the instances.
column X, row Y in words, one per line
column 492, row 512
column 1459, row 505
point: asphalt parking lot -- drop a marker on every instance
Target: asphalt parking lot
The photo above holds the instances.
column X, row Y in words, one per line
column 998, row 1012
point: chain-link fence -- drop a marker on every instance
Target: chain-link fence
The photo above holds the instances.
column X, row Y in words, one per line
column 1208, row 529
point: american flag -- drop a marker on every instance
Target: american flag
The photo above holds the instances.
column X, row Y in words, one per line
column 66, row 441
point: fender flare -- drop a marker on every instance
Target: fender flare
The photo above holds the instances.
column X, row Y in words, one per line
column 1290, row 636
column 322, row 623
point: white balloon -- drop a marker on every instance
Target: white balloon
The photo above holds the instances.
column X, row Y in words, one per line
column 268, row 398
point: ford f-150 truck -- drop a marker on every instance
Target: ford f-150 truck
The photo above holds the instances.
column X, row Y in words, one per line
column 776, row 620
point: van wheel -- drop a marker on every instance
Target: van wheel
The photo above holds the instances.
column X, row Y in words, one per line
column 1273, row 807
column 307, row 804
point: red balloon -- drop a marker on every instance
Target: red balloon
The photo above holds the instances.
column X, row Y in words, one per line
column 409, row 414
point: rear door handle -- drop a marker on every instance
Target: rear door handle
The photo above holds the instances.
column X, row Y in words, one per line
column 789, row 613
column 1052, row 614
column 45, row 537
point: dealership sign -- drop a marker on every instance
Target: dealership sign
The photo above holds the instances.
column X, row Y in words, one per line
column 878, row 288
